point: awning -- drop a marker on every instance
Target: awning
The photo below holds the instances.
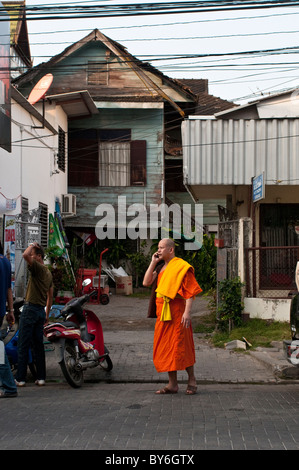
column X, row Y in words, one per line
column 75, row 104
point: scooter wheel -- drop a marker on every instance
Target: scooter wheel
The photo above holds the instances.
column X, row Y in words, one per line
column 73, row 376
column 104, row 299
column 106, row 364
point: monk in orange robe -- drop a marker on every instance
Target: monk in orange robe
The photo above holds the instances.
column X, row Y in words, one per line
column 173, row 338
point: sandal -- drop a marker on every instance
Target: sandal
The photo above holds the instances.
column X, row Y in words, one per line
column 166, row 391
column 191, row 390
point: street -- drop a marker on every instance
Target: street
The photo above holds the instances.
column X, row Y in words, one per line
column 130, row 417
column 240, row 404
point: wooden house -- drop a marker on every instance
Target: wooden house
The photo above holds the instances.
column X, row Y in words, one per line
column 120, row 150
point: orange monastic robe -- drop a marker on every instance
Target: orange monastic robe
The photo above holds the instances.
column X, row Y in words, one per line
column 173, row 343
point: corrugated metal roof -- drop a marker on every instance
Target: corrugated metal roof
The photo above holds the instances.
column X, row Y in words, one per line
column 224, row 152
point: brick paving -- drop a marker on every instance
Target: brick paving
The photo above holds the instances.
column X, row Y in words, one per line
column 129, row 416
column 128, row 334
column 240, row 403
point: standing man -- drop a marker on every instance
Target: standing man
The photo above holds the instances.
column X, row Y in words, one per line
column 39, row 295
column 7, row 384
column 173, row 338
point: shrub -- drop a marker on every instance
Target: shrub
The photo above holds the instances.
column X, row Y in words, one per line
column 230, row 305
column 204, row 262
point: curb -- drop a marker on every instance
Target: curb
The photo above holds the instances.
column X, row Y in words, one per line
column 280, row 367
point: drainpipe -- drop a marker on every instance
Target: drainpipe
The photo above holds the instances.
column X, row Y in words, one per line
column 21, row 163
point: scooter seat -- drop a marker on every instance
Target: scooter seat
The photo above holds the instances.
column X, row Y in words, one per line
column 70, row 324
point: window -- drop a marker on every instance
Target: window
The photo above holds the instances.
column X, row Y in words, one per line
column 278, row 223
column 97, row 73
column 114, row 159
column 106, row 158
column 278, row 228
column 83, row 158
column 61, row 150
column 138, row 163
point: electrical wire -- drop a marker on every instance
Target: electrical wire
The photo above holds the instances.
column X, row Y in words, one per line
column 89, row 11
column 238, row 54
column 151, row 26
column 75, row 7
column 191, row 38
column 165, row 67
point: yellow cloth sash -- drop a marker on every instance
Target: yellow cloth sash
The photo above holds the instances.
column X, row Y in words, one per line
column 166, row 313
column 170, row 283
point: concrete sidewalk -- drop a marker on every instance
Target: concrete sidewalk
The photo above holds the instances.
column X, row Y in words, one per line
column 128, row 334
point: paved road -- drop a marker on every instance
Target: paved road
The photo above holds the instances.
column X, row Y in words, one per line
column 128, row 334
column 130, row 416
column 240, row 405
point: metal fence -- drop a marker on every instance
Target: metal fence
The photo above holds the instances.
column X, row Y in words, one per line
column 270, row 271
column 26, row 233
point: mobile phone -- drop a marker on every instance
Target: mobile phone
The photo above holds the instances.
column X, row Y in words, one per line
column 156, row 255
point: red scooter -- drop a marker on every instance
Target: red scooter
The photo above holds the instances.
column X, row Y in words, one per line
column 79, row 339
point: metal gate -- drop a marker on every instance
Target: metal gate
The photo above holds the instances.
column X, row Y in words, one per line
column 26, row 233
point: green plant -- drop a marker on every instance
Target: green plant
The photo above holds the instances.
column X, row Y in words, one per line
column 258, row 332
column 206, row 324
column 230, row 305
column 117, row 251
column 74, row 253
column 204, row 262
column 61, row 271
column 140, row 262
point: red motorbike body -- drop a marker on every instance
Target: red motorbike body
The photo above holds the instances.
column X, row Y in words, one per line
column 79, row 341
column 54, row 331
column 95, row 330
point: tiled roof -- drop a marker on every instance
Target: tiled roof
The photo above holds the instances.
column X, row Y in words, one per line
column 206, row 104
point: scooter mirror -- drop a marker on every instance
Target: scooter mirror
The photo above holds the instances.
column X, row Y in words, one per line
column 86, row 282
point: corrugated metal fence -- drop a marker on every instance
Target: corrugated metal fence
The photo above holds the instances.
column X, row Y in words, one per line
column 223, row 152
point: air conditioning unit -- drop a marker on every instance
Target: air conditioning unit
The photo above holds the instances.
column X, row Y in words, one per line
column 68, row 205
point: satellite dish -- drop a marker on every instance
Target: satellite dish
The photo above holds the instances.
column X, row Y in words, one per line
column 40, row 88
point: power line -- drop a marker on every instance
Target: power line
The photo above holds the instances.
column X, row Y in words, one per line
column 221, row 36
column 177, row 23
column 76, row 7
column 258, row 52
column 88, row 11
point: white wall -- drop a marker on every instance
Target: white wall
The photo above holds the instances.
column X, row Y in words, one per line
column 27, row 170
column 268, row 309
column 285, row 105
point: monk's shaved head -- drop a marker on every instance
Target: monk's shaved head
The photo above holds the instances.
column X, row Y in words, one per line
column 168, row 242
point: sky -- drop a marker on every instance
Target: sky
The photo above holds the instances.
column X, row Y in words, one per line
column 161, row 39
